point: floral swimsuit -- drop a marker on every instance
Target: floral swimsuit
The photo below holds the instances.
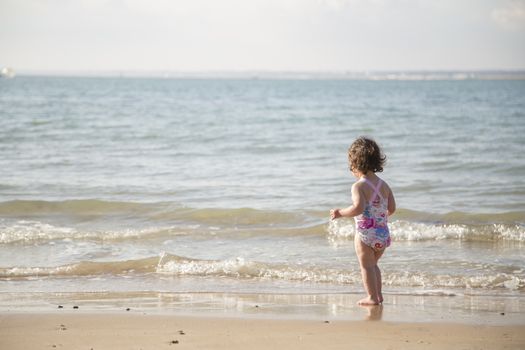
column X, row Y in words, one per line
column 371, row 225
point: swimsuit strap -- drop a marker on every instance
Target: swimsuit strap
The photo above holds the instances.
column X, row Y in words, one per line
column 375, row 188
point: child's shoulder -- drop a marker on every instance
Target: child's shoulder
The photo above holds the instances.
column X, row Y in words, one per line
column 383, row 181
column 386, row 185
column 359, row 184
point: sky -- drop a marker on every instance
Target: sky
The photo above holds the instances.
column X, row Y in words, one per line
column 262, row 35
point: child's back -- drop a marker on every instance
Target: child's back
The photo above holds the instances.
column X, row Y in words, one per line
column 372, row 223
column 373, row 202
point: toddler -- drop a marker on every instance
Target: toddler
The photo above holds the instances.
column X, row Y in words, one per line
column 373, row 201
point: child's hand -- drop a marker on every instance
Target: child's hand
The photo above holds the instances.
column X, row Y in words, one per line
column 334, row 214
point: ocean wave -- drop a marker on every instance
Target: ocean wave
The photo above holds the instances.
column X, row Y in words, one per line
column 92, row 208
column 30, row 221
column 31, row 231
column 85, row 268
column 87, row 207
column 157, row 211
column 458, row 217
column 403, row 230
column 239, row 268
column 237, row 217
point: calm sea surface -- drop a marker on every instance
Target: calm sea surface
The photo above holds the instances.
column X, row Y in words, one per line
column 222, row 185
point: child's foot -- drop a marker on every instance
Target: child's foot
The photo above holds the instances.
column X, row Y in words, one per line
column 368, row 301
column 380, row 298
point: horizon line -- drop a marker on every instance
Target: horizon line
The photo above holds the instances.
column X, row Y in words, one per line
column 379, row 74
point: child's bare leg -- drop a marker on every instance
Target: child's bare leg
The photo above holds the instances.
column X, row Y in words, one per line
column 368, row 262
column 379, row 282
column 379, row 285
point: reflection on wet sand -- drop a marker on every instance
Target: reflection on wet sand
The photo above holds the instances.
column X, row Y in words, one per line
column 374, row 312
column 407, row 308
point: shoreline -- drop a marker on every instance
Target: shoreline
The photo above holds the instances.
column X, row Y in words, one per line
column 138, row 331
column 471, row 310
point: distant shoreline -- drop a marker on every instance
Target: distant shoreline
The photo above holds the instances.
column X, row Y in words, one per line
column 416, row 75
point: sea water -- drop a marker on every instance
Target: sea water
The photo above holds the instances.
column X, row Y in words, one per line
column 145, row 185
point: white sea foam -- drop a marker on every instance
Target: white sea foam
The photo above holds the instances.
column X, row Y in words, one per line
column 32, row 231
column 402, row 230
column 243, row 269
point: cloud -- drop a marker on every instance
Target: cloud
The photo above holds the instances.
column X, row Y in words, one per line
column 511, row 16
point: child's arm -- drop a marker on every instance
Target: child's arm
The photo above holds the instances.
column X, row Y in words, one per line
column 355, row 209
column 391, row 203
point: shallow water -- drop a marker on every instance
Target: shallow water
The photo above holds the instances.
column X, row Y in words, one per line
column 202, row 185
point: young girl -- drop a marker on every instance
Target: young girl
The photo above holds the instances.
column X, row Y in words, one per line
column 373, row 201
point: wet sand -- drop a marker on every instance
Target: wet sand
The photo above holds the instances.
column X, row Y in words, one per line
column 75, row 330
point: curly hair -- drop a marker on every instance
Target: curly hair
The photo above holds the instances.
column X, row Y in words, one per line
column 364, row 155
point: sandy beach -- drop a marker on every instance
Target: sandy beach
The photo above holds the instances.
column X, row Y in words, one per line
column 140, row 331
